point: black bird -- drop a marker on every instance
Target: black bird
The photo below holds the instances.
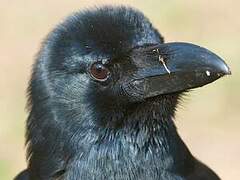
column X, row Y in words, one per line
column 102, row 99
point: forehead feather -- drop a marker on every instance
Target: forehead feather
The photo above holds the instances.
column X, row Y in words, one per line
column 108, row 30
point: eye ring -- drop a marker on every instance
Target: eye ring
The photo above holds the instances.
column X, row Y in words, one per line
column 99, row 72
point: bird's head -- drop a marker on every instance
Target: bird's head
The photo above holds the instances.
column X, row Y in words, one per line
column 110, row 59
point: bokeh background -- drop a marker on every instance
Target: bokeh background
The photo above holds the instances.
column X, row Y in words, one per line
column 208, row 119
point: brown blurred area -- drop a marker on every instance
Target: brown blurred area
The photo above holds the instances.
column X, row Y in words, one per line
column 208, row 119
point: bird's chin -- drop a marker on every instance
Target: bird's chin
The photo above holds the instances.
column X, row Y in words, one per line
column 166, row 96
column 161, row 100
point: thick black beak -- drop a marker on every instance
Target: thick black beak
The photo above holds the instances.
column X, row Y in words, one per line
column 175, row 67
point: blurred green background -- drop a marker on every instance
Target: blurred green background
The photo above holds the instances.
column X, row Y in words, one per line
column 208, row 119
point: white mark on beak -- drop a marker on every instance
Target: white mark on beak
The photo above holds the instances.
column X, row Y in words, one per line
column 162, row 61
column 208, row 73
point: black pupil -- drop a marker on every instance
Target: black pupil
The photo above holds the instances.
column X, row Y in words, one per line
column 99, row 72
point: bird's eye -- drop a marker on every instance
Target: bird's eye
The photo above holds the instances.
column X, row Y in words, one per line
column 99, row 72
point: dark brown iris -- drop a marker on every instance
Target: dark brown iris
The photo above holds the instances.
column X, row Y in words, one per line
column 99, row 72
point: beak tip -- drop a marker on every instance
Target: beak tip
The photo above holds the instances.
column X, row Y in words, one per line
column 229, row 72
column 225, row 69
column 221, row 67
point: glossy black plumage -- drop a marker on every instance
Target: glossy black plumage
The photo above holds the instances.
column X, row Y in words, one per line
column 118, row 129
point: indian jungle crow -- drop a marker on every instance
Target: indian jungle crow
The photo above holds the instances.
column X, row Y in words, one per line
column 102, row 99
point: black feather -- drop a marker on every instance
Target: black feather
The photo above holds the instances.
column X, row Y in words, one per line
column 82, row 129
